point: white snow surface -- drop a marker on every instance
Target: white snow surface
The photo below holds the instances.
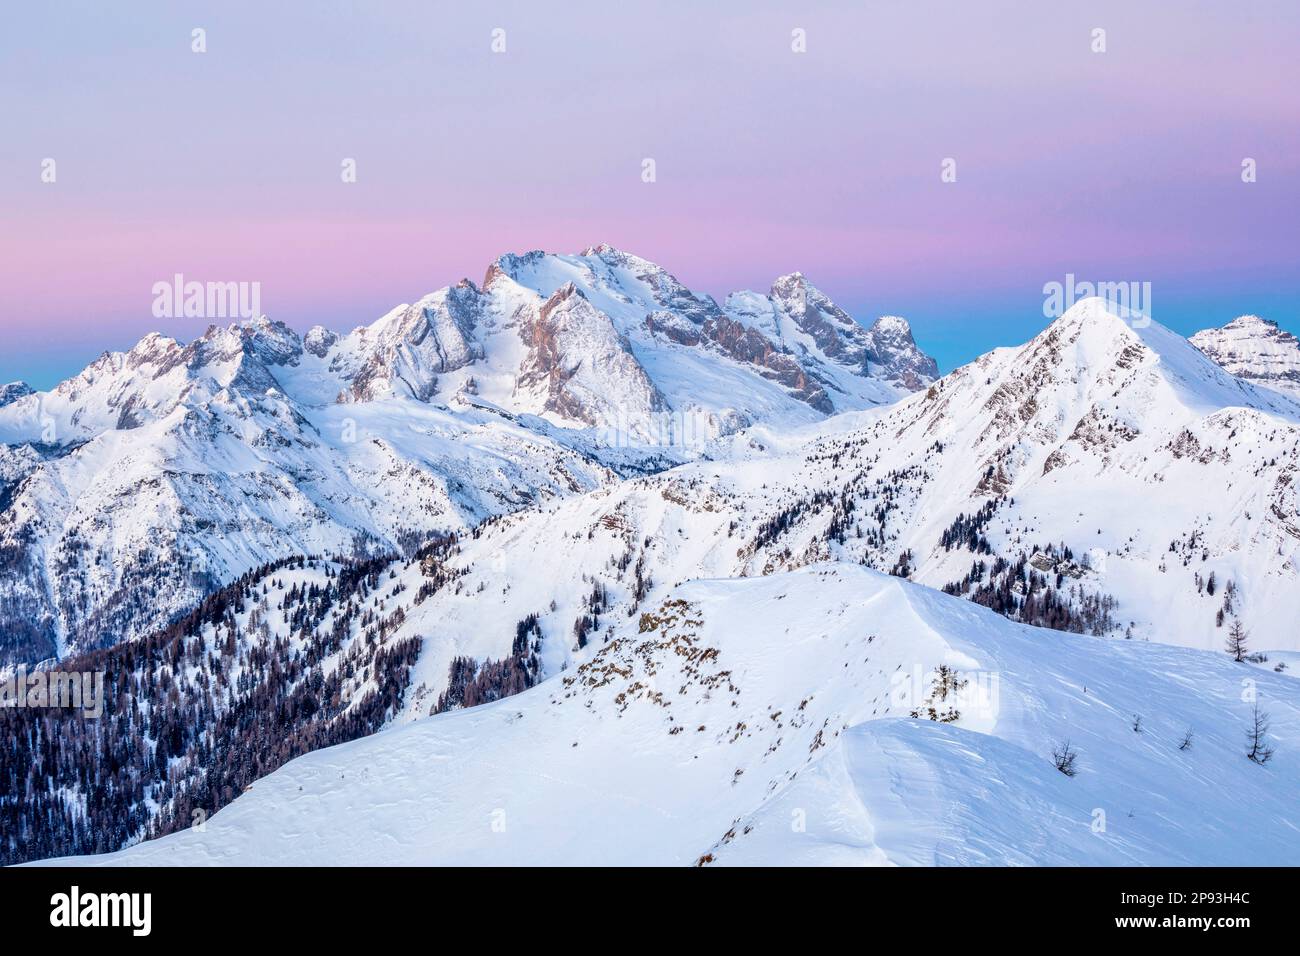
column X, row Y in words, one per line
column 765, row 720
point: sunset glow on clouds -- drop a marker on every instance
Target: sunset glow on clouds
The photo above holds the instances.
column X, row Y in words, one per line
column 225, row 165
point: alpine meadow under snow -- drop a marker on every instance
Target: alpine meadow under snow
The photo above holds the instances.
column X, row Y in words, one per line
column 576, row 565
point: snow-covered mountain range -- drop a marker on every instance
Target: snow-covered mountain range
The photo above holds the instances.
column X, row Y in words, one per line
column 132, row 489
column 675, row 535
column 1100, row 478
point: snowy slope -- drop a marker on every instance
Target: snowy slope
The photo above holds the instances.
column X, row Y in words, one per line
column 1257, row 350
column 767, row 720
column 115, row 534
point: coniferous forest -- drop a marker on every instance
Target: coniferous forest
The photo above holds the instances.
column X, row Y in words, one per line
column 289, row 658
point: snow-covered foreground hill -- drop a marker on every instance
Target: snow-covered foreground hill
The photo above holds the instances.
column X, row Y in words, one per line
column 767, row 720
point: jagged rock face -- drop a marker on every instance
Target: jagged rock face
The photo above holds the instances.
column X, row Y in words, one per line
column 1255, row 349
column 850, row 362
column 836, row 334
column 660, row 308
column 125, row 390
column 886, row 351
column 243, row 356
column 409, row 348
column 319, row 341
column 661, row 316
column 646, row 307
column 893, row 355
column 12, row 392
column 580, row 368
column 748, row 345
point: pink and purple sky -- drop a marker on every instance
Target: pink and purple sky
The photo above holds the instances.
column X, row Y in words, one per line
column 225, row 165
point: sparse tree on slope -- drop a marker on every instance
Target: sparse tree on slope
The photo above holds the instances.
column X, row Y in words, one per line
column 1237, row 641
column 1259, row 752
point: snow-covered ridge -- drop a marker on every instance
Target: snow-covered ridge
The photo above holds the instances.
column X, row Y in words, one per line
column 802, row 719
column 684, row 355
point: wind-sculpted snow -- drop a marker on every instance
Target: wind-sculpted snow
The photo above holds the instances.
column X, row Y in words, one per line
column 770, row 720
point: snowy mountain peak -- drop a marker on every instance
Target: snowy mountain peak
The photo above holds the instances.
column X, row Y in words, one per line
column 806, row 317
column 406, row 350
column 1251, row 322
column 1139, row 358
column 1097, row 312
column 319, row 340
column 892, row 325
column 1257, row 350
column 793, row 289
column 560, row 296
column 603, row 249
column 13, row 391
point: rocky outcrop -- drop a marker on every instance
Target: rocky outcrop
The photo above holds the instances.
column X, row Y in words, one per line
column 579, row 367
column 747, row 345
column 12, row 392
column 1257, row 350
column 405, row 351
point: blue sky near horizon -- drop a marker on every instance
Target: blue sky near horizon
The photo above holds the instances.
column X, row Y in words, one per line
column 1122, row 165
